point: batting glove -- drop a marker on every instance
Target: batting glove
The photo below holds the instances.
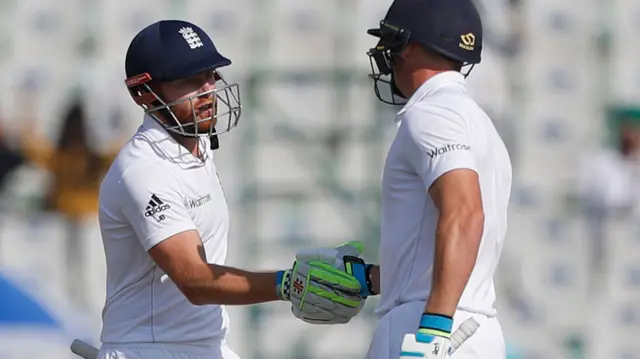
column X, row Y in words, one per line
column 320, row 292
column 345, row 257
column 432, row 341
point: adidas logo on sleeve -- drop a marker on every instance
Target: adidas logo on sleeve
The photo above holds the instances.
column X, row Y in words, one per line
column 155, row 206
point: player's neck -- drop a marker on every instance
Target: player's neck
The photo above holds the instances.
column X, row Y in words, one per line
column 190, row 143
column 420, row 77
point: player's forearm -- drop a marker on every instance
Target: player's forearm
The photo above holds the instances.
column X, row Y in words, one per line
column 457, row 243
column 375, row 278
column 231, row 286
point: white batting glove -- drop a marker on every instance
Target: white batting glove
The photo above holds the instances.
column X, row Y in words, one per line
column 432, row 341
column 419, row 346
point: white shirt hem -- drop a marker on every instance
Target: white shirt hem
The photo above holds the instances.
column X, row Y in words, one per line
column 196, row 348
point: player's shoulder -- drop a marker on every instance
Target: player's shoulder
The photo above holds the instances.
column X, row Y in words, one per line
column 128, row 178
column 138, row 170
column 455, row 108
column 136, row 163
column 456, row 104
column 432, row 118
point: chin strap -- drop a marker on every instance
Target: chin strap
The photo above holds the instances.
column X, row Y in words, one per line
column 215, row 143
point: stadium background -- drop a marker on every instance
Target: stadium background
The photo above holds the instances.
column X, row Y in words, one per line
column 303, row 167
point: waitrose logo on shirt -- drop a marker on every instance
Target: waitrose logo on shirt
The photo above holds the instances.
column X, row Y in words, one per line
column 449, row 147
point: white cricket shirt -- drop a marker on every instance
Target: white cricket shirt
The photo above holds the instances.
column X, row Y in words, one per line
column 440, row 129
column 154, row 189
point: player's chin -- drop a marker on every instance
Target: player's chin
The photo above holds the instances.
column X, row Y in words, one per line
column 206, row 124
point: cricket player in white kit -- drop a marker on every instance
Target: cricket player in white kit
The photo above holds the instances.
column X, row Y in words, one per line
column 164, row 218
column 445, row 188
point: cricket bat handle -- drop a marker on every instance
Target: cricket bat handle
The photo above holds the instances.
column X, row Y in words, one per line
column 466, row 330
column 84, row 350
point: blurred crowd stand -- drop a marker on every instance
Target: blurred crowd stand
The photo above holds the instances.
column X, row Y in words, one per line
column 74, row 169
column 609, row 186
column 10, row 159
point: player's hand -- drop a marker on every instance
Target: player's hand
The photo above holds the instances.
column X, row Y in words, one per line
column 335, row 293
column 320, row 293
column 345, row 257
column 432, row 341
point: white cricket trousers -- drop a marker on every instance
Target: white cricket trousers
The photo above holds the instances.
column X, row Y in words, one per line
column 486, row 343
column 164, row 351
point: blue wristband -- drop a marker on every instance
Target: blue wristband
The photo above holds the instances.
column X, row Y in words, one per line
column 279, row 276
column 437, row 322
column 281, row 288
column 357, row 268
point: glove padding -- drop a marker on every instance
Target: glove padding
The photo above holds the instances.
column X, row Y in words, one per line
column 333, row 256
column 320, row 290
column 416, row 346
column 330, row 296
column 434, row 340
column 345, row 257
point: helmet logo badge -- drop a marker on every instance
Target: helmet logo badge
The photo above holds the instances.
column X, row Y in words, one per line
column 191, row 37
column 468, row 41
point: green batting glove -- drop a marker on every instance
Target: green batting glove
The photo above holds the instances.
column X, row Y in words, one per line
column 345, row 257
column 320, row 293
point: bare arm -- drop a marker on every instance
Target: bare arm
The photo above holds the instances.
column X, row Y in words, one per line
column 456, row 194
column 374, row 273
column 175, row 245
column 182, row 258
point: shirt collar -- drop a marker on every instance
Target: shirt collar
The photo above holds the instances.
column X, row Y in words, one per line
column 429, row 87
column 166, row 147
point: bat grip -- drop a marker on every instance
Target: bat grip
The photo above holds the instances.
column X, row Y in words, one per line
column 84, row 350
column 466, row 330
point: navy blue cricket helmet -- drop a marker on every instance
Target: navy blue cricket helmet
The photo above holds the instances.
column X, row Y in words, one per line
column 451, row 28
column 172, row 50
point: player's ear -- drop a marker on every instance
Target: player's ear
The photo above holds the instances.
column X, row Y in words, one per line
column 411, row 51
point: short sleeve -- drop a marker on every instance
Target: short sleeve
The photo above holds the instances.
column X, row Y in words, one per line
column 437, row 143
column 152, row 201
